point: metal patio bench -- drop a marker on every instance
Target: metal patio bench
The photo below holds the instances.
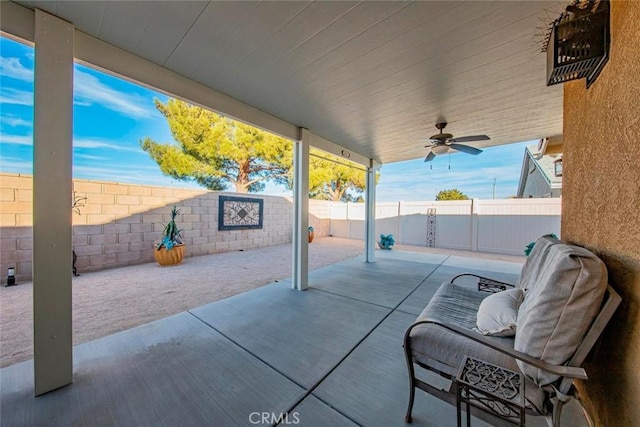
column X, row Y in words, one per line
column 562, row 304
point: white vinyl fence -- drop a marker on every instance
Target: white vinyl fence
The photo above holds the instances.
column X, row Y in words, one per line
column 500, row 226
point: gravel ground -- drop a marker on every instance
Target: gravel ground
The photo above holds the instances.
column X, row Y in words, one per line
column 109, row 301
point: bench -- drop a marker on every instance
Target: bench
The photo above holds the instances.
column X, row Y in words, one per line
column 543, row 326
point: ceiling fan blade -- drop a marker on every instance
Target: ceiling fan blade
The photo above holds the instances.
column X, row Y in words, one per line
column 466, row 149
column 430, row 156
column 471, row 138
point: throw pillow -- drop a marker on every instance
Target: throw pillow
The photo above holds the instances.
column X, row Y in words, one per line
column 498, row 313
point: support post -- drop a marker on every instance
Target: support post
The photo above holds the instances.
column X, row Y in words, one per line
column 300, row 270
column 52, row 194
column 370, row 217
column 475, row 211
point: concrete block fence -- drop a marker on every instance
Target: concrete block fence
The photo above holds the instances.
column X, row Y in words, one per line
column 120, row 223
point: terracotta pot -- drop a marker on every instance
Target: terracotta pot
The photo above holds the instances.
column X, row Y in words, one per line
column 172, row 256
column 311, row 236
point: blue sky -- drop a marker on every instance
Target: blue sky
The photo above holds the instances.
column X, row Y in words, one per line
column 112, row 115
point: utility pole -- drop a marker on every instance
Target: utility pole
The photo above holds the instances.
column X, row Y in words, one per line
column 494, row 188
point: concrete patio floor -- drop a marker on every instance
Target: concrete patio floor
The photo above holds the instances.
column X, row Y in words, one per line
column 329, row 356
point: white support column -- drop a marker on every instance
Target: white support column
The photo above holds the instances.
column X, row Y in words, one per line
column 475, row 210
column 300, row 270
column 52, row 194
column 370, row 218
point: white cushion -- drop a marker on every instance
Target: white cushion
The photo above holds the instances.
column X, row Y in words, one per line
column 498, row 313
column 559, row 307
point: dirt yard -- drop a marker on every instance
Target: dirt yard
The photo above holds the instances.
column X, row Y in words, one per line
column 109, row 301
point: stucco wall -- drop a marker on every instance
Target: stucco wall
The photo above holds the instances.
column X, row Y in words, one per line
column 601, row 209
column 119, row 223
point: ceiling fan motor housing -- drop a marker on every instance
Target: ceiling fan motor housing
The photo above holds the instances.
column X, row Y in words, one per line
column 441, row 137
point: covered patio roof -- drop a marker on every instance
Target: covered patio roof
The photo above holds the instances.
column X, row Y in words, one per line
column 373, row 77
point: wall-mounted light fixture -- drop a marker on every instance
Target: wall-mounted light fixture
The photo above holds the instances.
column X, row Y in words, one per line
column 345, row 154
column 557, row 167
column 578, row 42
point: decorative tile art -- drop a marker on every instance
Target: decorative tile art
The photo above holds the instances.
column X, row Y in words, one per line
column 239, row 213
column 431, row 228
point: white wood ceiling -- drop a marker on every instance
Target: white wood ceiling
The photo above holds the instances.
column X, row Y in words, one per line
column 372, row 76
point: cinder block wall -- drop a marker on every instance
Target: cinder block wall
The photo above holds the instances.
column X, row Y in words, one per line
column 119, row 223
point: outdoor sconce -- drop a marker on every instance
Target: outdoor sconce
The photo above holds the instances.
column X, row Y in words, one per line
column 557, row 167
column 11, row 276
column 577, row 42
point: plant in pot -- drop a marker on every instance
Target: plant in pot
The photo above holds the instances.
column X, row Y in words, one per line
column 386, row 241
column 170, row 250
column 311, row 234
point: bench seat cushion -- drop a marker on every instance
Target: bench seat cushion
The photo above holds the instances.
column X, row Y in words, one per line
column 444, row 350
column 564, row 292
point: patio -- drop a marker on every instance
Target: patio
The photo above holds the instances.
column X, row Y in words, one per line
column 329, row 356
column 362, row 80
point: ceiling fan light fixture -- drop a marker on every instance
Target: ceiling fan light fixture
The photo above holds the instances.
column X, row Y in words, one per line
column 440, row 149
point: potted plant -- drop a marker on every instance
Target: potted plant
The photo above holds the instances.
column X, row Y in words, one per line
column 386, row 242
column 311, row 234
column 170, row 250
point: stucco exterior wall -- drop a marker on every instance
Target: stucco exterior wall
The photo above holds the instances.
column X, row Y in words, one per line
column 119, row 223
column 601, row 209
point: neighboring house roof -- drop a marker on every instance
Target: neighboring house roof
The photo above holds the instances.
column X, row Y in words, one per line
column 543, row 163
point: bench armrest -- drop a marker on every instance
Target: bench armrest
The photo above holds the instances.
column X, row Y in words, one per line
column 486, row 284
column 563, row 371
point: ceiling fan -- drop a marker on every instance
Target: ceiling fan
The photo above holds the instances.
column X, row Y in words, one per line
column 442, row 143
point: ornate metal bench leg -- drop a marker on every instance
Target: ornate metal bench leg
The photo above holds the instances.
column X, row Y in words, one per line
column 412, row 393
column 412, row 381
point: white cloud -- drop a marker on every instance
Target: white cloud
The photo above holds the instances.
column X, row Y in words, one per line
column 89, row 90
column 15, row 96
column 15, row 121
column 16, row 165
column 88, row 157
column 16, row 139
column 96, row 143
column 12, row 68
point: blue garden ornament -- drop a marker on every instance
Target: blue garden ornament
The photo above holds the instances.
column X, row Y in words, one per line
column 386, row 241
